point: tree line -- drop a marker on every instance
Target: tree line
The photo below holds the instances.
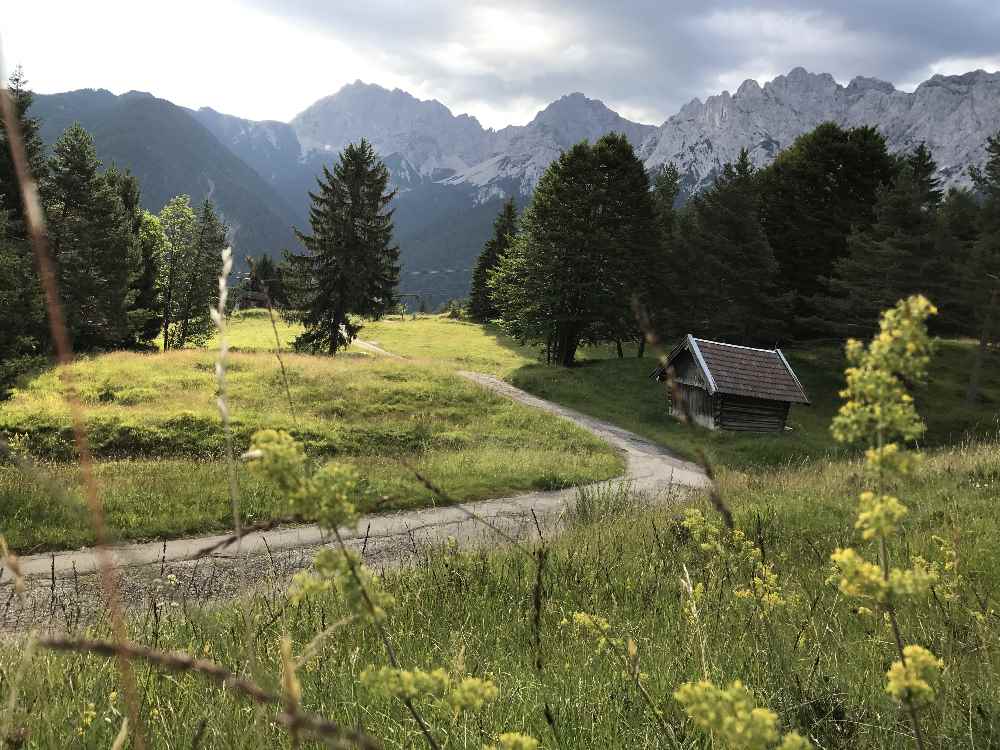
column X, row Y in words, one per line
column 127, row 277
column 811, row 247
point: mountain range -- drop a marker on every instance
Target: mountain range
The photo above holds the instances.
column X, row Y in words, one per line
column 451, row 173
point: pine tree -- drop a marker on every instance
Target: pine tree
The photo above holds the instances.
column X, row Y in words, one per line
column 10, row 191
column 667, row 275
column 23, row 334
column 957, row 230
column 727, row 265
column 812, row 196
column 350, row 266
column 895, row 257
column 266, row 278
column 178, row 223
column 924, row 170
column 198, row 283
column 481, row 306
column 983, row 278
column 578, row 260
column 89, row 235
column 146, row 313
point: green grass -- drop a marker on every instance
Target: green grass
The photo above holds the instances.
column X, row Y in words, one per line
column 428, row 339
column 154, row 426
column 819, row 664
column 621, row 391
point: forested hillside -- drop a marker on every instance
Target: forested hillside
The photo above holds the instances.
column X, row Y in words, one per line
column 171, row 154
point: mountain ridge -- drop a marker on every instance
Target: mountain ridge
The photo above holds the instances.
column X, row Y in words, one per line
column 451, row 173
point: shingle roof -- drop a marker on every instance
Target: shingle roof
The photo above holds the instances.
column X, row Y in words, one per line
column 742, row 371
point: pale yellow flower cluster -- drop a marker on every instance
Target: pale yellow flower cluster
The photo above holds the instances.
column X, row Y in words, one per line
column 328, row 495
column 732, row 549
column 465, row 694
column 514, row 741
column 876, row 399
column 733, row 719
column 879, row 409
column 342, row 571
column 910, row 681
column 878, row 516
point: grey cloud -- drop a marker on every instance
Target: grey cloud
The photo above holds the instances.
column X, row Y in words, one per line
column 651, row 57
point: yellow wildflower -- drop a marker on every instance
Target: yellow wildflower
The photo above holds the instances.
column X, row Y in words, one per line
column 911, row 682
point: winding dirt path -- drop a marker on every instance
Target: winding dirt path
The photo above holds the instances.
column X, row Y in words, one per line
column 63, row 590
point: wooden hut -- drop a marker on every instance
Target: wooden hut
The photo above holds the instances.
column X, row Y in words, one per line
column 731, row 387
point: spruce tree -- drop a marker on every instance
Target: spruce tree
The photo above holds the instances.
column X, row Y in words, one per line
column 924, row 170
column 812, row 196
column 198, row 285
column 725, row 263
column 481, row 306
column 958, row 225
column 90, row 242
column 24, row 333
column 350, row 266
column 265, row 277
column 578, row 260
column 10, row 191
column 146, row 312
column 667, row 277
column 627, row 222
column 983, row 277
column 895, row 257
column 146, row 255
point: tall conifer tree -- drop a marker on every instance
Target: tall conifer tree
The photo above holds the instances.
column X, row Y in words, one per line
column 812, row 196
column 89, row 234
column 10, row 191
column 724, row 264
column 481, row 306
column 983, row 278
column 578, row 260
column 350, row 266
column 198, row 285
column 895, row 257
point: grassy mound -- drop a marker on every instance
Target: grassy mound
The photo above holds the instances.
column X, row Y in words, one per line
column 153, row 422
column 819, row 663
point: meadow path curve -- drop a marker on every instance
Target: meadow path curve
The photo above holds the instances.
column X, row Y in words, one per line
column 63, row 590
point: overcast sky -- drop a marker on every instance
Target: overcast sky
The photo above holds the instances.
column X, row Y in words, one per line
column 499, row 61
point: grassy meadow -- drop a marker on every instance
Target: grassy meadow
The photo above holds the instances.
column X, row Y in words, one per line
column 817, row 662
column 815, row 657
column 621, row 391
column 154, row 427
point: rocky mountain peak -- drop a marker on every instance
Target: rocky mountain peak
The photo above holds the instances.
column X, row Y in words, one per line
column 953, row 115
column 861, row 84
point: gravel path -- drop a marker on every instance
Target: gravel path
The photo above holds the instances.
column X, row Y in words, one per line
column 63, row 591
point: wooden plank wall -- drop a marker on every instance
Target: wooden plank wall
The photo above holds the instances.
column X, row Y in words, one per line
column 752, row 414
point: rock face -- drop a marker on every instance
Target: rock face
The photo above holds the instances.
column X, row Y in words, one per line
column 952, row 114
column 451, row 173
column 433, row 141
column 428, row 141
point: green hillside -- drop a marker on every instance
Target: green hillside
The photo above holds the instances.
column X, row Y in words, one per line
column 171, row 153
